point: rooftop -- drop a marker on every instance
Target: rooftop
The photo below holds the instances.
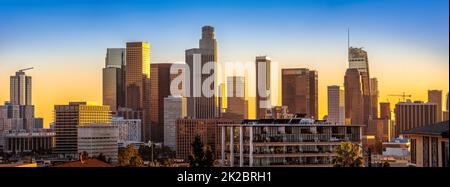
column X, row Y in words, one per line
column 439, row 129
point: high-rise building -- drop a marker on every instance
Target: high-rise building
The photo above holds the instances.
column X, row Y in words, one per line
column 16, row 117
column 137, row 82
column 20, row 89
column 237, row 105
column 159, row 89
column 263, row 87
column 358, row 59
column 410, row 115
column 98, row 138
column 299, row 91
column 375, row 95
column 200, row 105
column 174, row 109
column 207, row 129
column 385, row 110
column 38, row 123
column 435, row 96
column 113, row 78
column 336, row 104
column 67, row 120
column 354, row 105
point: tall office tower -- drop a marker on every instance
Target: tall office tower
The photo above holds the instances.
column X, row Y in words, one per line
column 99, row 138
column 237, row 106
column 385, row 110
column 159, row 89
column 435, row 96
column 354, row 103
column 174, row 109
column 410, row 115
column 200, row 105
column 263, row 87
column 299, row 91
column 358, row 59
column 137, row 82
column 20, row 89
column 375, row 95
column 113, row 77
column 67, row 120
column 336, row 104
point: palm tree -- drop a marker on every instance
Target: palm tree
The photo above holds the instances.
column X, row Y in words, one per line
column 348, row 155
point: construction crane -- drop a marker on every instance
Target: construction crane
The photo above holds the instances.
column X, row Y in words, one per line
column 403, row 96
column 26, row 69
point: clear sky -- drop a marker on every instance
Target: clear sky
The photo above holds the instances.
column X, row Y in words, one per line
column 66, row 41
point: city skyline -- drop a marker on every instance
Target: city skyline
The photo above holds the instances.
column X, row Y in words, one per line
column 83, row 62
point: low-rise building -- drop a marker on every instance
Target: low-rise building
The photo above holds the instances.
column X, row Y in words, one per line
column 98, row 139
column 429, row 145
column 16, row 141
column 284, row 142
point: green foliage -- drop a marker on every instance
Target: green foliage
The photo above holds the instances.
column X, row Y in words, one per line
column 201, row 156
column 130, row 157
column 348, row 155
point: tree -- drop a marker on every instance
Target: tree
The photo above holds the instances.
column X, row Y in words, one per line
column 201, row 156
column 103, row 158
column 84, row 156
column 348, row 155
column 130, row 157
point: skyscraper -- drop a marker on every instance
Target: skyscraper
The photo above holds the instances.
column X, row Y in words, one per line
column 200, row 105
column 336, row 104
column 137, row 82
column 20, row 89
column 354, row 107
column 299, row 91
column 435, row 96
column 358, row 59
column 67, row 120
column 174, row 109
column 375, row 95
column 385, row 110
column 159, row 89
column 237, row 106
column 263, row 87
column 410, row 115
column 113, row 78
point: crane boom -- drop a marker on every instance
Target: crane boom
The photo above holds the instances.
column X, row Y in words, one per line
column 22, row 70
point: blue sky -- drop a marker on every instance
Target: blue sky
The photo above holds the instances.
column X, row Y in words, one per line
column 66, row 40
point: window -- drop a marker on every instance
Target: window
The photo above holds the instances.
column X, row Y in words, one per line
column 444, row 148
column 434, row 152
column 426, row 151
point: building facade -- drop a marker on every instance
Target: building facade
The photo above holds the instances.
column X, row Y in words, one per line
column 67, row 120
column 287, row 142
column 174, row 109
column 336, row 104
column 113, row 78
column 429, row 145
column 159, row 89
column 263, row 85
column 201, row 106
column 18, row 141
column 206, row 129
column 129, row 129
column 237, row 105
column 96, row 139
column 354, row 102
column 409, row 115
column 20, row 89
column 300, row 91
column 435, row 96
column 137, row 82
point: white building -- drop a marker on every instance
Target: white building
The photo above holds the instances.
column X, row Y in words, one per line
column 98, row 139
column 174, row 108
column 129, row 130
column 336, row 105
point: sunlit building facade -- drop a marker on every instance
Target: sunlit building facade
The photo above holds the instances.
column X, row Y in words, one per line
column 336, row 104
column 113, row 78
column 263, row 86
column 300, row 91
column 409, row 115
column 67, row 120
column 99, row 138
column 435, row 96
